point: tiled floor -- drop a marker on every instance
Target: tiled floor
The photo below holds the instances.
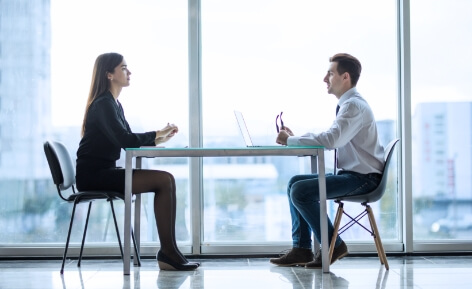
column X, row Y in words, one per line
column 242, row 273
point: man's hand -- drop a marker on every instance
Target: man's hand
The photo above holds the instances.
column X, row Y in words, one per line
column 283, row 136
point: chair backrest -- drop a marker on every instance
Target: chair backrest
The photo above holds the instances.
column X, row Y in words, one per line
column 60, row 164
column 378, row 192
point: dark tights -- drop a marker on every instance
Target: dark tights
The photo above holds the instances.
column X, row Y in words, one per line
column 163, row 185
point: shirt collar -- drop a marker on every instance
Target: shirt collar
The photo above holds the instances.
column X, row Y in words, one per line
column 348, row 94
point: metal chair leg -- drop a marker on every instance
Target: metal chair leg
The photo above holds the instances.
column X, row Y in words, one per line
column 119, row 239
column 84, row 235
column 105, row 233
column 116, row 227
column 136, row 251
column 68, row 237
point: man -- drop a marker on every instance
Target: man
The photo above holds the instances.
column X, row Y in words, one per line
column 359, row 160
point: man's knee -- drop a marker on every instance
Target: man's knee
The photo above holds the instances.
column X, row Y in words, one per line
column 296, row 195
column 292, row 181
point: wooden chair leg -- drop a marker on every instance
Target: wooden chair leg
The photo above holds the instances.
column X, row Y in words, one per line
column 337, row 222
column 375, row 234
column 378, row 241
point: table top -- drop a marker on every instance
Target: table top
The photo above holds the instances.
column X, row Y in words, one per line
column 229, row 151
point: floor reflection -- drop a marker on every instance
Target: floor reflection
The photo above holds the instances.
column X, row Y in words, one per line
column 350, row 272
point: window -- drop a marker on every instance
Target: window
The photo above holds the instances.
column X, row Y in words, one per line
column 50, row 56
column 441, row 108
column 264, row 57
column 260, row 57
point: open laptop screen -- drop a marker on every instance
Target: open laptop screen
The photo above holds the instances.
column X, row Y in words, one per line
column 243, row 128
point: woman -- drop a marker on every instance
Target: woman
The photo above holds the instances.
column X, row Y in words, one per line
column 105, row 132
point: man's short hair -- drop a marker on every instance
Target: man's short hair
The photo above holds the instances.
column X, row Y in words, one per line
column 348, row 63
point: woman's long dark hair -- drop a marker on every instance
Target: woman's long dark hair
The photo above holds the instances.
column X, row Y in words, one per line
column 105, row 63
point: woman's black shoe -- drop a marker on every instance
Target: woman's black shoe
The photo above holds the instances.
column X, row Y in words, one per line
column 196, row 263
column 165, row 263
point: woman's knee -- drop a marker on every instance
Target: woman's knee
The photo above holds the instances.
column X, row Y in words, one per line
column 166, row 179
column 170, row 176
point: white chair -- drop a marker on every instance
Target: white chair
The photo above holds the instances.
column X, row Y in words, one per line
column 364, row 200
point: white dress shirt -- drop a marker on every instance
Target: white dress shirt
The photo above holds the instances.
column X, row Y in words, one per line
column 353, row 133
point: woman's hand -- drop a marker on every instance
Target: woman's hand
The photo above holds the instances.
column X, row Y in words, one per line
column 166, row 133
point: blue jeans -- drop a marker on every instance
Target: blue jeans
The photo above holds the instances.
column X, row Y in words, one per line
column 303, row 195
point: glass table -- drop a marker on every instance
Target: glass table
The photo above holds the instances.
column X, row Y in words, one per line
column 317, row 166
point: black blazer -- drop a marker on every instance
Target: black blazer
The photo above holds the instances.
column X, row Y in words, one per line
column 106, row 133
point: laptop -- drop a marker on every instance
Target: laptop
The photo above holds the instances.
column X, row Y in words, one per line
column 245, row 132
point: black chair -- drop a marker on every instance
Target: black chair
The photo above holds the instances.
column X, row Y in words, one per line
column 364, row 200
column 63, row 175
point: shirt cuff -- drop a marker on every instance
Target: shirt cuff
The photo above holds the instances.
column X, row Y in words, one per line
column 293, row 141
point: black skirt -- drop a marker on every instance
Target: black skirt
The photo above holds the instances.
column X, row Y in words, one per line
column 99, row 178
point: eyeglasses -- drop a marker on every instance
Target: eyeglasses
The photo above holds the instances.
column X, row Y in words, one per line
column 277, row 122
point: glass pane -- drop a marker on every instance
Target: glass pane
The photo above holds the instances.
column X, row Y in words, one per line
column 441, row 112
column 263, row 57
column 48, row 51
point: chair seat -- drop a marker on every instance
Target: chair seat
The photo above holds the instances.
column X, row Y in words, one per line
column 370, row 197
column 88, row 196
